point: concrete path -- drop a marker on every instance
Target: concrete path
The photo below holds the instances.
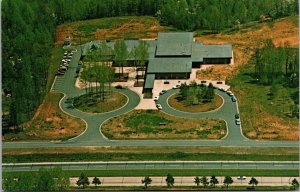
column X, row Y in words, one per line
column 186, row 181
column 92, row 136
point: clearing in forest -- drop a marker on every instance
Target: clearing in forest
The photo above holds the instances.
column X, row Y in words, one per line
column 130, row 27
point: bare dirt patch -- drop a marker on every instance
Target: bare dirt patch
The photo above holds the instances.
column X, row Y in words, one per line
column 152, row 124
column 49, row 123
column 244, row 43
column 109, row 28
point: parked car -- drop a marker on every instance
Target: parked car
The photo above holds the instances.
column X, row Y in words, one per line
column 163, row 92
column 176, row 86
column 221, row 89
column 60, row 73
column 156, row 98
column 238, row 121
column 233, row 98
column 242, row 178
column 237, row 116
column 158, row 106
column 230, row 93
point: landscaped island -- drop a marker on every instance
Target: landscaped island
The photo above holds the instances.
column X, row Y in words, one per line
column 152, row 124
column 92, row 103
column 195, row 98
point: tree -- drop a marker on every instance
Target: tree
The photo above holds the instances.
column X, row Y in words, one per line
column 295, row 183
column 146, row 181
column 61, row 180
column 227, row 181
column 45, row 180
column 204, row 181
column 96, row 181
column 121, row 54
column 83, row 180
column 213, row 181
column 197, row 181
column 253, row 181
column 141, row 55
column 170, row 180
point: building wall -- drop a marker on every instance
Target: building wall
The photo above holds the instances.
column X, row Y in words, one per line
column 172, row 75
column 216, row 60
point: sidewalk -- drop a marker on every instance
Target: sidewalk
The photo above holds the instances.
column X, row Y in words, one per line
column 186, row 181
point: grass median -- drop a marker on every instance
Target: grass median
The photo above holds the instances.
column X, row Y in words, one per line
column 153, row 124
column 150, row 153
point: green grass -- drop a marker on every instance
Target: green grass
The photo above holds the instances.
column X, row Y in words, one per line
column 256, row 103
column 122, row 156
column 152, row 124
column 145, row 119
column 174, row 172
column 92, row 104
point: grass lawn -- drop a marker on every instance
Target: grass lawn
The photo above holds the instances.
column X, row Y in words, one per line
column 263, row 116
column 179, row 105
column 152, row 124
column 92, row 104
column 149, row 153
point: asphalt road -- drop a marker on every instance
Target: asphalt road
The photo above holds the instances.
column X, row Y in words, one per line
column 133, row 165
column 92, row 136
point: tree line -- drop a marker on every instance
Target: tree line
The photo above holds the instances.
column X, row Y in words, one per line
column 28, row 34
column 182, row 14
column 43, row 180
column 57, row 180
column 277, row 65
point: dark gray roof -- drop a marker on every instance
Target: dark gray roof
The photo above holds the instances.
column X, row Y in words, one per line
column 169, row 65
column 211, row 51
column 149, row 81
column 174, row 44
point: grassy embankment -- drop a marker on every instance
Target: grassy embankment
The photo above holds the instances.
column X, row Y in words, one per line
column 261, row 118
column 150, row 153
column 152, row 124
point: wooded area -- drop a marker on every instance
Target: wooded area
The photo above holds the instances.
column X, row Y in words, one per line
column 28, row 33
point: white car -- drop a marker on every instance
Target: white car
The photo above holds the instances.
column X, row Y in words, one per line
column 162, row 92
column 242, row 178
column 156, row 98
column 176, row 86
column 230, row 93
column 159, row 107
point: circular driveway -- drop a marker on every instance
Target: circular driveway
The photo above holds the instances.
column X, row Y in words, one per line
column 93, row 137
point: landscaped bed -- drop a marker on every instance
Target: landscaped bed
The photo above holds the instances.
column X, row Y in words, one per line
column 92, row 104
column 181, row 106
column 152, row 124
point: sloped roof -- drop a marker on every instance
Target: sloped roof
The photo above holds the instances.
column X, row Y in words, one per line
column 149, row 83
column 169, row 65
column 174, row 44
column 211, row 51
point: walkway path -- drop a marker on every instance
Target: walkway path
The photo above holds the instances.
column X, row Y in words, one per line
column 186, row 181
column 92, row 136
